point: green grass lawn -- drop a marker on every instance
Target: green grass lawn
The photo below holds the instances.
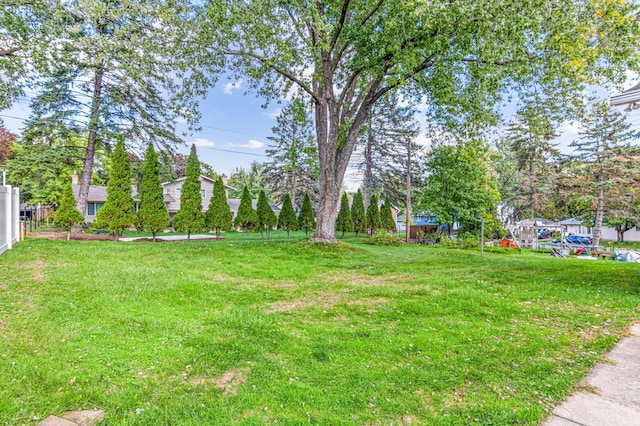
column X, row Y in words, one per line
column 235, row 332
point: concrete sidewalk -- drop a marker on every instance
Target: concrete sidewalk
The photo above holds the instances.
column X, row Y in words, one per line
column 615, row 399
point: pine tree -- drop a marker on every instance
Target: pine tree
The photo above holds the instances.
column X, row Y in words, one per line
column 358, row 214
column 117, row 213
column 266, row 217
column 344, row 222
column 190, row 217
column 247, row 216
column 386, row 217
column 152, row 214
column 67, row 216
column 373, row 215
column 287, row 219
column 306, row 219
column 219, row 214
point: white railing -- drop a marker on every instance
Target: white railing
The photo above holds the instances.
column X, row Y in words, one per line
column 9, row 217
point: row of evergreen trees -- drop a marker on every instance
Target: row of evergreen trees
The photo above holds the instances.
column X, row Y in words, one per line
column 117, row 214
column 356, row 219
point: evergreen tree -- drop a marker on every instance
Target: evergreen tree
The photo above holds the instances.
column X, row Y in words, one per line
column 602, row 156
column 67, row 216
column 373, row 215
column 190, row 217
column 247, row 217
column 117, row 213
column 386, row 217
column 266, row 217
column 344, row 222
column 219, row 214
column 152, row 214
column 358, row 214
column 306, row 219
column 287, row 219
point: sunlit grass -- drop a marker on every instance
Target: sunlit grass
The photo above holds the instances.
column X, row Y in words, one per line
column 235, row 332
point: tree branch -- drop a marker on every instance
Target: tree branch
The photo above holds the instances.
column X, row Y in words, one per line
column 277, row 69
column 341, row 21
column 9, row 51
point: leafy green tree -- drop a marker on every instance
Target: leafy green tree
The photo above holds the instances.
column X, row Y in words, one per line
column 266, row 217
column 152, row 213
column 386, row 216
column 219, row 214
column 109, row 68
column 306, row 219
column 287, row 219
column 7, row 140
column 462, row 58
column 344, row 222
column 253, row 179
column 459, row 187
column 117, row 213
column 358, row 214
column 190, row 217
column 602, row 157
column 67, row 216
column 373, row 215
column 246, row 218
column 293, row 163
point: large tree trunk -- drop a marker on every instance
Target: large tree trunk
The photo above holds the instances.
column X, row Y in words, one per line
column 597, row 229
column 87, row 166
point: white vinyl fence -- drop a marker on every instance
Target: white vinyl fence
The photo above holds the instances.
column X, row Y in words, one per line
column 9, row 217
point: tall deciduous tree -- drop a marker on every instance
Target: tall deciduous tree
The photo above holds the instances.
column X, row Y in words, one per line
column 306, row 218
column 358, row 213
column 246, row 217
column 219, row 214
column 117, row 213
column 253, row 179
column 602, row 156
column 190, row 217
column 344, row 222
column 293, row 165
column 67, row 216
column 459, row 56
column 7, row 139
column 267, row 219
column 287, row 219
column 373, row 215
column 152, row 213
column 460, row 187
column 386, row 216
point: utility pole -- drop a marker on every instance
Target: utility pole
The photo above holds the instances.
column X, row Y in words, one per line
column 408, row 218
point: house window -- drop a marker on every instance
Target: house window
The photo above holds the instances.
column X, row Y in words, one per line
column 92, row 208
column 179, row 191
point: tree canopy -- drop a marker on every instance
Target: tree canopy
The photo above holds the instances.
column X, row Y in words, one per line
column 267, row 219
column 459, row 57
column 246, row 217
column 306, row 217
column 344, row 222
column 67, row 216
column 287, row 219
column 358, row 213
column 219, row 214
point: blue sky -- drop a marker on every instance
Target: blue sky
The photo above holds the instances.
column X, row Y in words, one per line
column 235, row 127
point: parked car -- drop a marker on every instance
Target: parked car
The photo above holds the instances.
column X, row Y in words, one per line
column 543, row 233
column 577, row 240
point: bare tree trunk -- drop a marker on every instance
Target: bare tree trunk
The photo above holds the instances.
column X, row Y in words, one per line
column 87, row 166
column 597, row 229
column 408, row 193
column 293, row 186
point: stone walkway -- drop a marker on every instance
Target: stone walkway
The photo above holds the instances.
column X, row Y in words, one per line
column 75, row 418
column 615, row 391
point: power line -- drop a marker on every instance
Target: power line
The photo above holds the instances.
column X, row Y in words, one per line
column 236, row 152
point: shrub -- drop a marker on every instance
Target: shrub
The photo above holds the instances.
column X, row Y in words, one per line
column 381, row 238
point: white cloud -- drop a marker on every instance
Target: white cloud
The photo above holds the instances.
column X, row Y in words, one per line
column 253, row 144
column 273, row 113
column 231, row 86
column 203, row 142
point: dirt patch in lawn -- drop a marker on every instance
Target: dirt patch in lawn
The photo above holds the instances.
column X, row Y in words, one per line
column 324, row 300
column 361, row 280
column 53, row 235
column 229, row 382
